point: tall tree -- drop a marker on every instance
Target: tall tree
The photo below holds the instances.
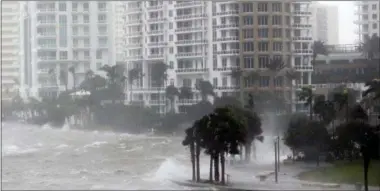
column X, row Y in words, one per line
column 371, row 48
column 133, row 75
column 159, row 76
column 306, row 94
column 73, row 74
column 205, row 89
column 275, row 65
column 190, row 141
column 63, row 77
column 115, row 81
column 171, row 92
column 319, row 48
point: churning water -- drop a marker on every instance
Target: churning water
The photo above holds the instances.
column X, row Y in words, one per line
column 44, row 158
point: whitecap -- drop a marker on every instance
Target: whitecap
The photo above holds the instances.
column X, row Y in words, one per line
column 95, row 144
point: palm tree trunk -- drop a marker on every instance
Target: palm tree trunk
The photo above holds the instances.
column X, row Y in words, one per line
column 367, row 160
column 241, row 152
column 222, row 162
column 192, row 155
column 248, row 147
column 216, row 167
column 311, row 110
column 211, row 163
column 198, row 152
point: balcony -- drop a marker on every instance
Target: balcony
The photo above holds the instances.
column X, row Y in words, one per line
column 46, row 35
column 150, row 8
column 224, row 26
column 157, row 102
column 186, row 42
column 188, row 17
column 46, row 58
column 301, row 13
column 156, row 56
column 229, row 52
column 40, row 23
column 134, row 22
column 188, row 4
column 232, row 38
column 191, row 29
column 225, row 69
column 226, row 88
column 192, row 70
column 346, row 48
column 137, row 45
column 187, row 101
column 153, row 32
column 42, row 11
column 131, row 10
column 47, row 46
column 304, row 68
column 158, row 44
column 148, row 89
column 134, row 34
column 226, row 13
column 139, row 57
column 301, row 38
column 190, row 54
column 301, row 26
column 156, row 20
column 302, row 51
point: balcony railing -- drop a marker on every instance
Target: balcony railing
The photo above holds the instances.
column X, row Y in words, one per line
column 185, row 70
column 303, row 51
column 346, row 48
column 232, row 38
column 226, row 87
column 155, row 32
column 157, row 102
column 190, row 16
column 151, row 20
column 190, row 54
column 188, row 101
column 233, row 52
column 226, row 26
column 157, row 44
column 187, row 4
column 190, row 41
column 301, row 26
column 225, row 69
column 155, row 56
column 233, row 12
column 154, row 7
column 302, row 38
column 188, row 29
column 303, row 67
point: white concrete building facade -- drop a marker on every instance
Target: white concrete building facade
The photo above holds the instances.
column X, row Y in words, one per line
column 11, row 58
column 325, row 23
column 62, row 34
column 368, row 18
column 207, row 40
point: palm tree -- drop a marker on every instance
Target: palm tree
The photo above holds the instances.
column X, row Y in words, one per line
column 190, row 141
column 306, row 94
column 53, row 77
column 133, row 75
column 237, row 75
column 185, row 92
column 205, row 89
column 319, row 48
column 171, row 92
column 116, row 80
column 370, row 48
column 72, row 71
column 63, row 77
column 274, row 66
column 291, row 75
column 159, row 76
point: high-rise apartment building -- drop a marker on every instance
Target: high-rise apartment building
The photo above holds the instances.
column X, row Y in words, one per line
column 368, row 18
column 11, row 67
column 64, row 34
column 325, row 24
column 205, row 40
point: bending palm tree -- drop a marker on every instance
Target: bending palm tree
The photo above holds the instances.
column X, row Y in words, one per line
column 205, row 89
column 63, row 78
column 370, row 48
column 116, row 79
column 306, row 94
column 170, row 92
column 319, row 48
column 133, row 75
column 159, row 76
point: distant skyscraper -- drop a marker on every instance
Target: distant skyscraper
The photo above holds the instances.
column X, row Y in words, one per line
column 207, row 40
column 325, row 23
column 64, row 34
column 368, row 18
column 11, row 58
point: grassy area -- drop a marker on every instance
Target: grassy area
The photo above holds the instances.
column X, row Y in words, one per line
column 344, row 172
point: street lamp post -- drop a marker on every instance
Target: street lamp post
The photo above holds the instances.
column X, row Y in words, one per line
column 278, row 154
column 275, row 160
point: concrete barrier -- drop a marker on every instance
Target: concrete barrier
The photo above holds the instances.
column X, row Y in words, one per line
column 264, row 175
column 322, row 185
